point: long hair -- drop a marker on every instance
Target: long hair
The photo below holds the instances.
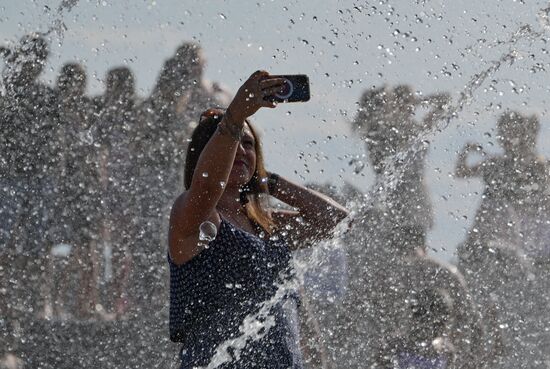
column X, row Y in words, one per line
column 253, row 193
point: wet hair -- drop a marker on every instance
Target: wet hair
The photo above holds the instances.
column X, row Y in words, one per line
column 252, row 195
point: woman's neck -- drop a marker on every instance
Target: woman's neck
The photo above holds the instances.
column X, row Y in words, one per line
column 230, row 202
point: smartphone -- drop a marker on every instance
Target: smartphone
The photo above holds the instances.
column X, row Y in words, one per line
column 296, row 89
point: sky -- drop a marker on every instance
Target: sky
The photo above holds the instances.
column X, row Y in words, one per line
column 344, row 47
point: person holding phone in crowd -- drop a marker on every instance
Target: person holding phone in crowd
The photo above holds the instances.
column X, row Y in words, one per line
column 229, row 253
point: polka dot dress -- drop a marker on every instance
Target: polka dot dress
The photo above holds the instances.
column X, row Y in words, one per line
column 233, row 303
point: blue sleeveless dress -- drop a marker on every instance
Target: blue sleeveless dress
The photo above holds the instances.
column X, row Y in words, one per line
column 213, row 293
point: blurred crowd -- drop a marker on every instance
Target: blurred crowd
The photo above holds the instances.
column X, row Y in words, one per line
column 403, row 308
column 86, row 183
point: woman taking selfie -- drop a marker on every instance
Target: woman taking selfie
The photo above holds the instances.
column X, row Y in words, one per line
column 229, row 253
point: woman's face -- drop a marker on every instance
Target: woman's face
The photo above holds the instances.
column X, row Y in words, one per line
column 244, row 165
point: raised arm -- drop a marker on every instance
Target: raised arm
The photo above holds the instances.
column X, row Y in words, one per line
column 317, row 214
column 214, row 166
column 463, row 170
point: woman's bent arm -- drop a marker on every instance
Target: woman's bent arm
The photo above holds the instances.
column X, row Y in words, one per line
column 319, row 213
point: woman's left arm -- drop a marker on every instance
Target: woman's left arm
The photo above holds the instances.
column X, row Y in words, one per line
column 317, row 214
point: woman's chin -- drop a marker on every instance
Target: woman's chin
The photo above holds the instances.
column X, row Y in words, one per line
column 238, row 179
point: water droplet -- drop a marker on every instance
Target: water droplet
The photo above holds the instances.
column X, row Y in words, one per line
column 222, row 16
column 222, row 184
column 205, row 174
column 207, row 231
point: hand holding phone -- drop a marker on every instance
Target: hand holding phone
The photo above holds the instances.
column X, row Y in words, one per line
column 295, row 89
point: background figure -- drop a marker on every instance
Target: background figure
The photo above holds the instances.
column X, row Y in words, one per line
column 28, row 156
column 162, row 143
column 392, row 223
column 77, row 200
column 505, row 256
column 386, row 121
column 167, row 119
column 439, row 326
column 198, row 94
column 117, row 130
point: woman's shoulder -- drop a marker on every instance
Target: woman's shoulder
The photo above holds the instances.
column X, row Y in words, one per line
column 180, row 199
column 185, row 229
column 178, row 210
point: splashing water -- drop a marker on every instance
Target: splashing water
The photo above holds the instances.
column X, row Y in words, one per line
column 86, row 137
column 466, row 95
column 67, row 5
column 207, row 231
column 253, row 328
column 57, row 25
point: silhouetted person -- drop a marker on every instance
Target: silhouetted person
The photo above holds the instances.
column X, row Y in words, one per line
column 506, row 252
column 116, row 126
column 397, row 154
column 167, row 119
column 392, row 224
column 198, row 94
column 78, row 196
column 162, row 143
column 27, row 157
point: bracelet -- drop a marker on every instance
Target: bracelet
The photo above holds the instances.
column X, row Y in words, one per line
column 231, row 129
column 272, row 182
